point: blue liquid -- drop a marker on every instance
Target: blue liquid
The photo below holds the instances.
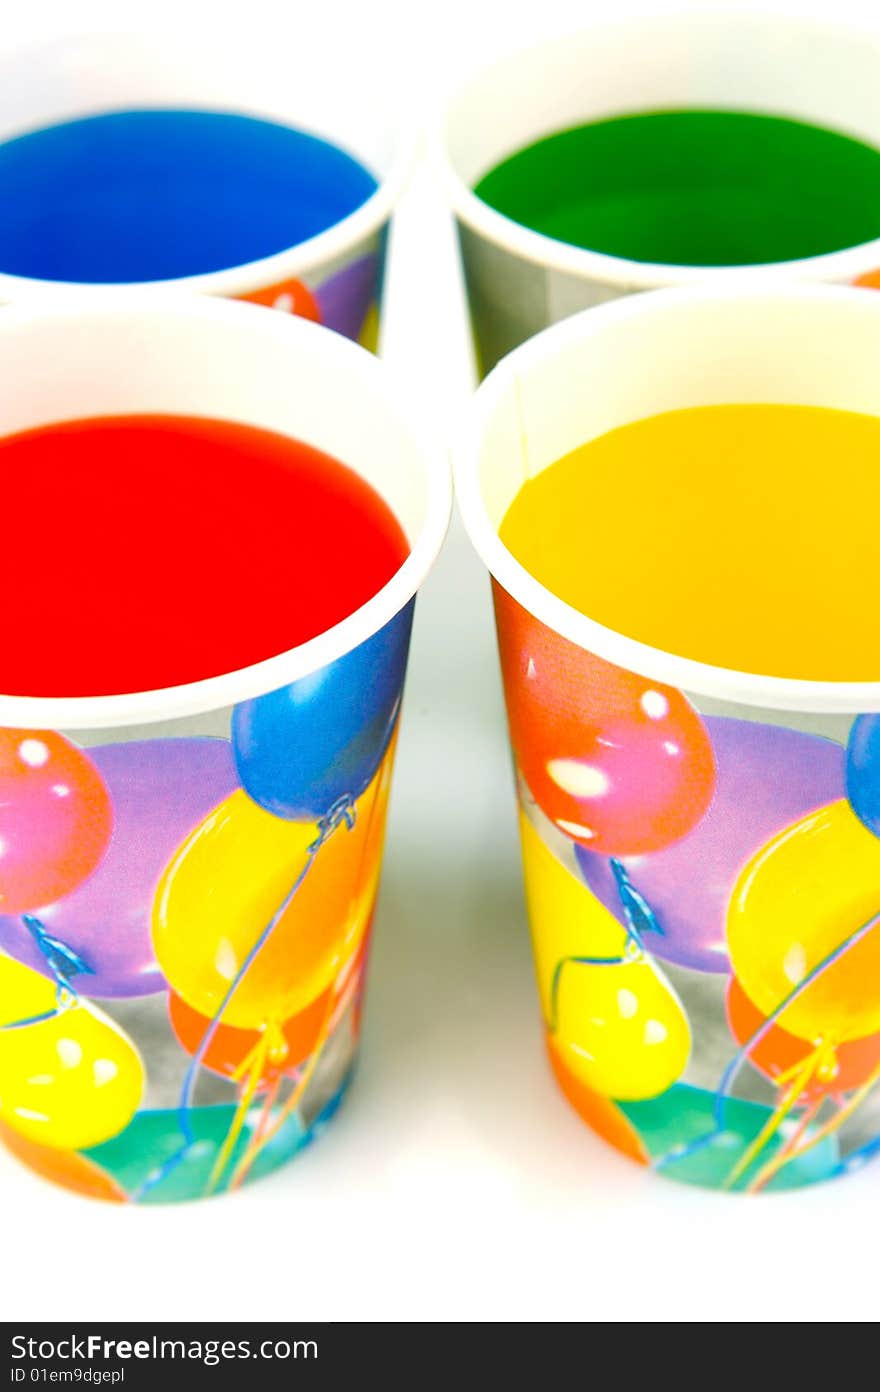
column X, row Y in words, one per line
column 153, row 195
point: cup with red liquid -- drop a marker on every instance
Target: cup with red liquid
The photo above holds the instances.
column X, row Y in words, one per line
column 146, row 162
column 217, row 521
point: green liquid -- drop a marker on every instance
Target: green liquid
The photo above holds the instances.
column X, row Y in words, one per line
column 694, row 188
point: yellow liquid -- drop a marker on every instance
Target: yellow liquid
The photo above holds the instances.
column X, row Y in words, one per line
column 745, row 536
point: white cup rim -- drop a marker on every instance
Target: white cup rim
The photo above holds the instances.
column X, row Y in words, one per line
column 620, row 272
column 689, row 674
column 229, row 688
column 247, row 277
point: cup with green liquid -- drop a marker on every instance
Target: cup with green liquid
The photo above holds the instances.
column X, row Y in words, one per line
column 662, row 151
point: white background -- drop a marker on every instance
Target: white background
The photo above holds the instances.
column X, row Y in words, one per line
column 455, row 1183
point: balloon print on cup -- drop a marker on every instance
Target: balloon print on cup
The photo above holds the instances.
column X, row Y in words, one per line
column 224, row 887
column 265, row 903
column 70, row 1077
column 55, row 818
column 674, row 860
column 620, row 764
column 299, row 750
column 766, row 778
column 863, row 771
column 615, row 1023
column 100, row 932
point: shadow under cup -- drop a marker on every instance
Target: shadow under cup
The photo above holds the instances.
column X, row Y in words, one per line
column 520, row 281
column 183, row 952
column 725, row 1035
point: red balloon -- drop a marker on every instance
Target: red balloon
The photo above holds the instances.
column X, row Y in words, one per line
column 230, row 1047
column 619, row 763
column 778, row 1051
column 56, row 818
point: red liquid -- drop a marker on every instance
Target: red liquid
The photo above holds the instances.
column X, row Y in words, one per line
column 146, row 551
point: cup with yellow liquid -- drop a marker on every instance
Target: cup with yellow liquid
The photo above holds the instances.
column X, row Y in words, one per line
column 676, row 496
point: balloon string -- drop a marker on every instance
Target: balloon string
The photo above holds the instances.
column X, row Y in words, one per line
column 825, row 1049
column 259, row 1138
column 728, row 1077
column 257, row 1066
column 830, row 1126
column 333, row 1014
column 786, row 1153
column 636, row 910
column 764, row 1029
column 65, row 998
column 271, row 1046
column 631, row 954
column 802, row 1079
column 342, row 812
column 265, row 1114
column 32, row 1020
column 293, row 1100
column 63, row 963
column 254, row 1144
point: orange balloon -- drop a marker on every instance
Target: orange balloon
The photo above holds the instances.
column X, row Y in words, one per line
column 601, row 1114
column 290, row 296
column 851, row 1064
column 231, row 1047
column 65, row 1167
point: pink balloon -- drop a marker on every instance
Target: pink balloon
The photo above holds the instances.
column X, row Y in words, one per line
column 621, row 764
column 55, row 818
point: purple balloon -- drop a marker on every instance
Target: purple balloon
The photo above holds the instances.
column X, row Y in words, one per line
column 767, row 778
column 161, row 789
column 344, row 299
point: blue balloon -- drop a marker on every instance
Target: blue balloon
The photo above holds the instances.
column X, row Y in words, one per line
column 863, row 770
column 302, row 748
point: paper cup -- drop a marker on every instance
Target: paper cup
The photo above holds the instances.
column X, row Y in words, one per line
column 182, row 952
column 519, row 281
column 333, row 278
column 701, row 845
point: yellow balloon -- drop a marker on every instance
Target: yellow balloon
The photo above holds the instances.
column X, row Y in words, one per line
column 565, row 917
column 621, row 1030
column 230, row 877
column 797, row 900
column 23, row 992
column 69, row 1082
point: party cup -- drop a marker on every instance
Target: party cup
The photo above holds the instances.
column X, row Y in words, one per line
column 182, row 952
column 520, row 281
column 701, row 845
column 335, row 277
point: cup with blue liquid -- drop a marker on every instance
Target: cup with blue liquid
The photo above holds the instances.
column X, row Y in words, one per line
column 130, row 161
